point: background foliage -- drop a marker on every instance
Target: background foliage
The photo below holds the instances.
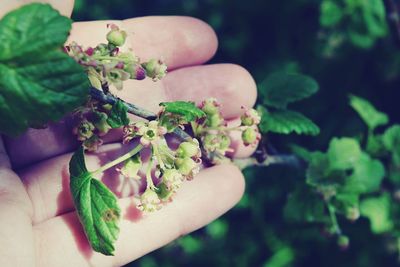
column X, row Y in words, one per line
column 345, row 45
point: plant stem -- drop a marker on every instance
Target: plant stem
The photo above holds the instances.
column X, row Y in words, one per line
column 149, row 180
column 132, row 109
column 393, row 17
column 290, row 160
column 332, row 215
column 119, row 160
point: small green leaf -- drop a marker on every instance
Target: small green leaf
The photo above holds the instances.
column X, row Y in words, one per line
column 95, row 204
column 343, row 153
column 187, row 110
column 280, row 89
column 318, row 169
column 286, row 122
column 39, row 83
column 119, row 115
column 372, row 117
column 377, row 210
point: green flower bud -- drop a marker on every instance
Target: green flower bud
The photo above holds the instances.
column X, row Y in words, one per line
column 214, row 120
column 155, row 69
column 343, row 242
column 172, row 179
column 250, row 136
column 116, row 37
column 210, row 106
column 149, row 201
column 250, row 117
column 100, row 122
column 186, row 166
column 163, row 192
column 352, row 213
column 93, row 143
column 189, row 149
column 84, row 130
column 131, row 167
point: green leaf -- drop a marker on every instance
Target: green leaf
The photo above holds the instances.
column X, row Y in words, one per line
column 377, row 210
column 366, row 177
column 372, row 117
column 391, row 141
column 95, row 204
column 304, row 205
column 39, row 83
column 343, row 153
column 119, row 115
column 279, row 89
column 286, row 122
column 331, row 13
column 187, row 110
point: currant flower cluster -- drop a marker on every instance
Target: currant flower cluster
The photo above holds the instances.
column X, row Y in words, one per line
column 168, row 166
column 107, row 64
column 214, row 132
column 172, row 167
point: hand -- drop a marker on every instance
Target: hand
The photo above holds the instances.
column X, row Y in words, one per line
column 37, row 222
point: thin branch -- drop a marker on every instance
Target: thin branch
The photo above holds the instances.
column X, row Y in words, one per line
column 132, row 109
column 289, row 160
column 393, row 17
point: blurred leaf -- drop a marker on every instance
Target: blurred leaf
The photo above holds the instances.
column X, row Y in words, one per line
column 366, row 177
column 301, row 152
column 343, row 153
column 372, row 117
column 391, row 141
column 217, row 229
column 286, row 122
column 190, row 244
column 318, row 168
column 331, row 13
column 377, row 210
column 279, row 89
column 304, row 205
column 281, row 258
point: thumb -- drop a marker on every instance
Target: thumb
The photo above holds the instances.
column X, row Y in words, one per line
column 65, row 7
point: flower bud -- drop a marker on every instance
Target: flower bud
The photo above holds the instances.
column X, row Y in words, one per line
column 352, row 213
column 149, row 201
column 343, row 242
column 189, row 149
column 136, row 72
column 210, row 106
column 116, row 37
column 250, row 117
column 131, row 167
column 187, row 167
column 172, row 179
column 250, row 136
column 155, row 69
column 84, row 130
column 100, row 122
column 214, row 120
column 93, row 143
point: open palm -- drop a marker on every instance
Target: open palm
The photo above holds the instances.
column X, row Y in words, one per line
column 38, row 225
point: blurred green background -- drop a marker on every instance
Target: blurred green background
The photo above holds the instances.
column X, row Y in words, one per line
column 347, row 47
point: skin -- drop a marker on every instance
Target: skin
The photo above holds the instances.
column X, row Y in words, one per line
column 38, row 225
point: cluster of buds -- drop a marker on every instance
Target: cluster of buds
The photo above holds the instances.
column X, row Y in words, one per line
column 172, row 166
column 107, row 65
column 214, row 132
column 92, row 126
